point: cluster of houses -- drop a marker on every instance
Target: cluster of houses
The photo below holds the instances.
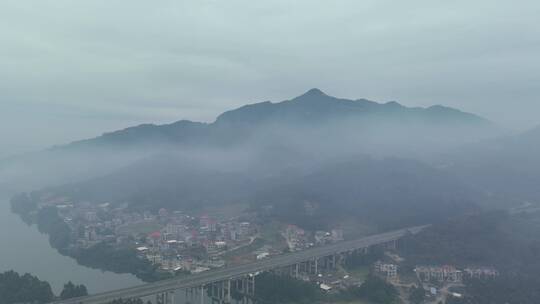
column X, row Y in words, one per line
column 299, row 239
column 450, row 274
column 327, row 237
column 173, row 239
column 195, row 244
column 177, row 241
column 387, row 270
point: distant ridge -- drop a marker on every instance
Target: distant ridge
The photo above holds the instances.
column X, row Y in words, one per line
column 311, row 123
column 312, row 107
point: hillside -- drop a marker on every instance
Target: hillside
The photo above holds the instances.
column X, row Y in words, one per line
column 509, row 243
column 381, row 194
column 314, row 125
column 508, row 167
column 385, row 193
column 162, row 181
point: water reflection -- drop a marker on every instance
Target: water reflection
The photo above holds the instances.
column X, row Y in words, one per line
column 24, row 249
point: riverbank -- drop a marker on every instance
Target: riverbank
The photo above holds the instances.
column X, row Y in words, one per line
column 102, row 256
column 26, row 250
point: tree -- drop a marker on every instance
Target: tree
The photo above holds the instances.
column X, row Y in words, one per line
column 73, row 291
column 15, row 288
column 376, row 290
column 418, row 295
column 271, row 288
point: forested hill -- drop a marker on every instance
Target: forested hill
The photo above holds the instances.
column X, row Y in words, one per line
column 383, row 193
column 313, row 124
column 386, row 193
column 510, row 243
column 507, row 167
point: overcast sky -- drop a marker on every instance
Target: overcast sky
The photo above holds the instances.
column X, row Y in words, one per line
column 74, row 69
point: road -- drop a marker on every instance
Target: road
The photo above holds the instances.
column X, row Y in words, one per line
column 232, row 272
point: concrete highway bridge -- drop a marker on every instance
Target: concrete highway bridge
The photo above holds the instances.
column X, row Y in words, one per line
column 220, row 283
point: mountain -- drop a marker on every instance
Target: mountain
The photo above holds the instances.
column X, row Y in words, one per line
column 470, row 241
column 350, row 159
column 314, row 109
column 508, row 167
column 164, row 180
column 385, row 193
column 378, row 193
column 309, row 128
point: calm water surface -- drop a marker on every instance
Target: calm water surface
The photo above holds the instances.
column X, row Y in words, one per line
column 24, row 249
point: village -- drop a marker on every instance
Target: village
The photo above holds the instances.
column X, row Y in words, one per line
column 181, row 243
column 177, row 241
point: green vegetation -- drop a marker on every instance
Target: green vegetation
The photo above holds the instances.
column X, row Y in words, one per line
column 270, row 288
column 359, row 260
column 417, row 295
column 119, row 260
column 478, row 240
column 15, row 288
column 503, row 290
column 510, row 243
column 256, row 244
column 101, row 256
column 376, row 290
column 49, row 222
column 358, row 264
column 73, row 291
column 365, row 190
column 271, row 234
column 24, row 204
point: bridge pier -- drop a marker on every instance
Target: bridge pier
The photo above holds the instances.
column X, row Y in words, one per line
column 330, row 262
column 165, row 297
column 220, row 292
column 189, row 293
column 250, row 290
column 202, row 294
column 313, row 266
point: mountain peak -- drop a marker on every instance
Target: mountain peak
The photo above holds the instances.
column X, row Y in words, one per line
column 313, row 93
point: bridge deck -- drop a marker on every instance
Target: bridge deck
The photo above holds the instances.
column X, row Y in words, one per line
column 232, row 272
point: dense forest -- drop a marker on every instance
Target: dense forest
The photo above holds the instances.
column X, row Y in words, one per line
column 15, row 288
column 120, row 260
column 376, row 290
column 272, row 288
column 508, row 242
column 73, row 291
column 359, row 259
column 26, row 288
column 386, row 194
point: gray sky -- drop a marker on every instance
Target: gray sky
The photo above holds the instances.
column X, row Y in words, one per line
column 74, row 69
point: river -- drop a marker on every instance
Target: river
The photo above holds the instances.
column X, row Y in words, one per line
column 24, row 249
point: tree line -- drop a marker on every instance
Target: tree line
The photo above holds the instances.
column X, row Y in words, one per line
column 26, row 288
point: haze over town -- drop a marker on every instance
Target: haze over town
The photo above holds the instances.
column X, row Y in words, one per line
column 261, row 152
